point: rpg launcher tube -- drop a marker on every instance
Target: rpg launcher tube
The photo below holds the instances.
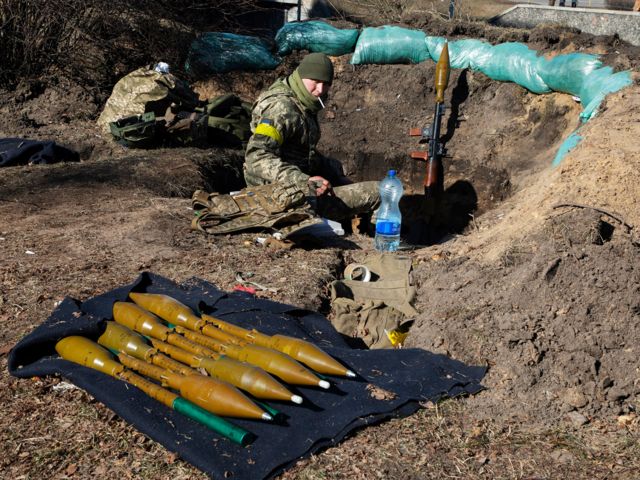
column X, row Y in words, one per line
column 169, row 309
column 276, row 363
column 247, row 377
column 212, row 395
column 301, row 350
column 87, row 353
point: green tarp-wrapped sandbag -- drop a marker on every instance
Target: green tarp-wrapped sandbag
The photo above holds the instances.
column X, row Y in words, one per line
column 315, row 36
column 390, row 44
column 514, row 62
column 566, row 73
column 467, row 53
column 216, row 52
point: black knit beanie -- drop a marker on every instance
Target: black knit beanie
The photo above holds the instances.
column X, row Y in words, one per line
column 316, row 66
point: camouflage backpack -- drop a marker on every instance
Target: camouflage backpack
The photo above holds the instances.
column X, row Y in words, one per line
column 148, row 108
column 274, row 207
column 146, row 90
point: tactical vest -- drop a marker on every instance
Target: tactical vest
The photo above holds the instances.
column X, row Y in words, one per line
column 273, row 207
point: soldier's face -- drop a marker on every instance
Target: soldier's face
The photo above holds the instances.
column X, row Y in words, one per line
column 316, row 88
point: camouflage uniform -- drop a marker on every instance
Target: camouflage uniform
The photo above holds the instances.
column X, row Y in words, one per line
column 282, row 149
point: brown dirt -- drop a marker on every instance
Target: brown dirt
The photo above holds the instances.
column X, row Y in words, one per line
column 546, row 295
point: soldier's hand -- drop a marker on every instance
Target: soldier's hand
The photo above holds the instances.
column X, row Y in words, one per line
column 321, row 184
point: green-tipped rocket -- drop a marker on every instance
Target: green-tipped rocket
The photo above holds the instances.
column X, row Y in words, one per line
column 85, row 352
column 213, row 395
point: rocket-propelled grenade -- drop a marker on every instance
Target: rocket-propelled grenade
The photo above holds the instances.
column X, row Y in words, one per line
column 274, row 362
column 140, row 320
column 248, row 377
column 85, row 352
column 212, row 395
column 119, row 338
column 434, row 177
column 169, row 309
column 301, row 350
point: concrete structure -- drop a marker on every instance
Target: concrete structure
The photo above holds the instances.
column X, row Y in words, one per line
column 301, row 9
column 597, row 22
column 273, row 14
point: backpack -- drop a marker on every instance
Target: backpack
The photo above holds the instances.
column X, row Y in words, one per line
column 147, row 90
column 273, row 207
column 149, row 109
column 222, row 121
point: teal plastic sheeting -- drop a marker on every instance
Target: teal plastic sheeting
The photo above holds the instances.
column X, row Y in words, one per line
column 216, row 52
column 579, row 74
column 569, row 144
column 315, row 36
column 389, row 44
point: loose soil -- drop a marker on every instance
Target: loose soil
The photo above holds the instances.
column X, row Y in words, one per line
column 529, row 269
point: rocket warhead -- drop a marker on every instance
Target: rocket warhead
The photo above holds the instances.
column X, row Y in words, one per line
column 140, row 320
column 442, row 73
column 169, row 309
column 88, row 353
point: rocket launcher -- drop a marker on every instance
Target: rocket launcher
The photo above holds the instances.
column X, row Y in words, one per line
column 274, row 362
column 434, row 175
column 248, row 377
column 87, row 353
column 277, row 363
column 301, row 350
column 212, row 395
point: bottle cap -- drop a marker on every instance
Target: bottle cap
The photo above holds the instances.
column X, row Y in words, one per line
column 392, row 173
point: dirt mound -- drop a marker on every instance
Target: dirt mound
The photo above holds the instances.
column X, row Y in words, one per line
column 532, row 269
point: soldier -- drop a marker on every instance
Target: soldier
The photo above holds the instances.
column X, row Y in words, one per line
column 282, row 147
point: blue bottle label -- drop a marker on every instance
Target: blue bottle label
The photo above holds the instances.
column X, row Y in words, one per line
column 385, row 227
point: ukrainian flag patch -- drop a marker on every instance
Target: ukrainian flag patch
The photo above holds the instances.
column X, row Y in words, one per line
column 266, row 128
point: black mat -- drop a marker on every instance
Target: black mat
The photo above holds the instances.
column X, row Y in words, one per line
column 324, row 418
column 21, row 151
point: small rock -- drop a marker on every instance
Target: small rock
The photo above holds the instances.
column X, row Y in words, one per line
column 624, row 420
column 577, row 419
column 575, row 398
column 615, row 394
column 562, row 456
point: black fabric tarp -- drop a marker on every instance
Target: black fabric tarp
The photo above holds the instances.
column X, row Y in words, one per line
column 20, row 151
column 323, row 419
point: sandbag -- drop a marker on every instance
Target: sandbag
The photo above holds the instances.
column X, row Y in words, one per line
column 315, row 36
column 218, row 52
column 389, row 44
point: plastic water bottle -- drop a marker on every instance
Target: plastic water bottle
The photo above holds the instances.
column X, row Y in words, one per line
column 389, row 217
column 162, row 67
